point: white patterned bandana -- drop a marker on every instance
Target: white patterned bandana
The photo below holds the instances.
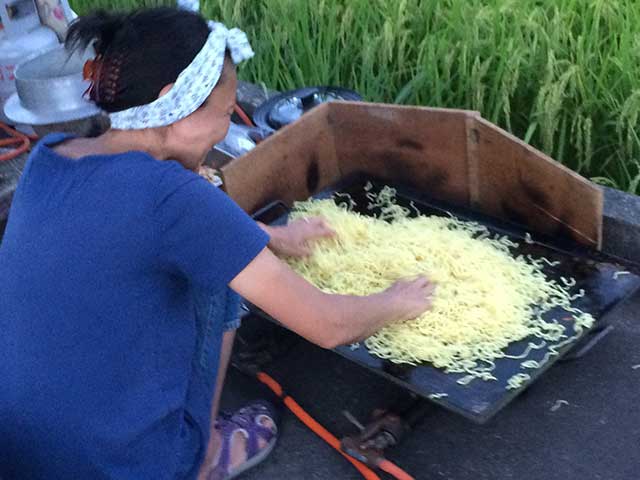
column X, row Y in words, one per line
column 193, row 85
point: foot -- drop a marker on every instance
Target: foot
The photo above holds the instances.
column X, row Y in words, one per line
column 244, row 439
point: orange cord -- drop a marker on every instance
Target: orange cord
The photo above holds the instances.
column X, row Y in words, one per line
column 327, row 436
column 310, row 422
column 243, row 116
column 16, row 133
column 393, row 470
column 15, row 138
column 10, row 141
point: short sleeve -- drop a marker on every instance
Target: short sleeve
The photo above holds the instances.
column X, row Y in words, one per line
column 204, row 234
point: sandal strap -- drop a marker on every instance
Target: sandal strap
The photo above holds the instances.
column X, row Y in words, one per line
column 257, row 408
column 255, row 433
column 227, row 430
column 247, row 420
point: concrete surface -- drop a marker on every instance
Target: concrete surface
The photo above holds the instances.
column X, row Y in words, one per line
column 621, row 225
column 595, row 437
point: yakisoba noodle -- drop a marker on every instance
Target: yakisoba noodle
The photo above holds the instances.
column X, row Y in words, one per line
column 485, row 298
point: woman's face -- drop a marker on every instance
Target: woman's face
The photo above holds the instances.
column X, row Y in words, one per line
column 194, row 136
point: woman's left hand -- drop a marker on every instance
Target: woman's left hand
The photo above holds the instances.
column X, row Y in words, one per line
column 294, row 239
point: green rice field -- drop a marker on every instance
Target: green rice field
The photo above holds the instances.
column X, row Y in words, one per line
column 564, row 75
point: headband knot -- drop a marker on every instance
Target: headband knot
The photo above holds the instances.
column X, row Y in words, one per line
column 192, row 87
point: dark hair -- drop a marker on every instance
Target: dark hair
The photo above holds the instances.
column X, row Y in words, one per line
column 138, row 53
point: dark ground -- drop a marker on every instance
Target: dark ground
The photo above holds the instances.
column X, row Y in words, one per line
column 595, row 437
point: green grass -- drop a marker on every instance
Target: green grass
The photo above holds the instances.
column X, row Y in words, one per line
column 562, row 74
column 83, row 7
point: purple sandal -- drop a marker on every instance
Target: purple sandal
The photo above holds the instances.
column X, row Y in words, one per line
column 248, row 421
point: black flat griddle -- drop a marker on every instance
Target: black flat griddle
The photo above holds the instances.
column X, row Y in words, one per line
column 597, row 274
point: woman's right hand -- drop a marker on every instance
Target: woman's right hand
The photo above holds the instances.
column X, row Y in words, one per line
column 327, row 319
column 409, row 298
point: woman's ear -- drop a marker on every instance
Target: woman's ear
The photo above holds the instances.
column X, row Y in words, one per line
column 165, row 90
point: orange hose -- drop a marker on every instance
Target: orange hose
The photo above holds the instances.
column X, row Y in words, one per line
column 385, row 465
column 270, row 382
column 15, row 138
column 310, row 422
column 394, row 470
column 243, row 116
column 11, row 131
column 10, row 141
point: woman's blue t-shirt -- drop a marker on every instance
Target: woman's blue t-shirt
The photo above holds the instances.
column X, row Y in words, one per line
column 98, row 336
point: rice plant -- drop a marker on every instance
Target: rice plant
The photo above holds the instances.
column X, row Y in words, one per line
column 83, row 7
column 561, row 74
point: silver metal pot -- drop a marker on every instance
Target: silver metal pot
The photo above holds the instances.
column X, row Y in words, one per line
column 50, row 89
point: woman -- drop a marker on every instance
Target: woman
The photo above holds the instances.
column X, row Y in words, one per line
column 120, row 271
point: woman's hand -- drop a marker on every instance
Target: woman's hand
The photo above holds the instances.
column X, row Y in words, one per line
column 295, row 239
column 409, row 298
column 328, row 320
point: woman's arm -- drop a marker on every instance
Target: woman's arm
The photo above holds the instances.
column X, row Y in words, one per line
column 294, row 239
column 324, row 319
